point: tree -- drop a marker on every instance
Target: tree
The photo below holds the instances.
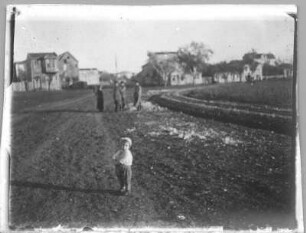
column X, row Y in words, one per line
column 272, row 70
column 249, row 57
column 164, row 66
column 148, row 76
column 194, row 57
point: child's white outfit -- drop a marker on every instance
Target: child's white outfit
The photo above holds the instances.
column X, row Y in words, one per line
column 123, row 166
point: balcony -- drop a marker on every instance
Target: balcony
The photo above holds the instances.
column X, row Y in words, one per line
column 50, row 66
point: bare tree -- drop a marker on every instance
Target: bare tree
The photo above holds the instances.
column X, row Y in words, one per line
column 163, row 66
column 193, row 57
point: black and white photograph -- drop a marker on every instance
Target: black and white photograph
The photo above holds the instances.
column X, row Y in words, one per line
column 153, row 117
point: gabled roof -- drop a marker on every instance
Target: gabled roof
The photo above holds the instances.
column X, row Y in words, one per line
column 62, row 55
column 165, row 53
column 162, row 53
column 87, row 69
column 269, row 55
column 40, row 55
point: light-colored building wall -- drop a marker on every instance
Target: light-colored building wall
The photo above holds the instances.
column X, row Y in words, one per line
column 38, row 72
column 38, row 84
column 68, row 67
column 90, row 76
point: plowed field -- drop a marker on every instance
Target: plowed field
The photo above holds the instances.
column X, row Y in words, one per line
column 187, row 171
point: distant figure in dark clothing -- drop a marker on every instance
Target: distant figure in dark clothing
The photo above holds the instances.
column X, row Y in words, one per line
column 100, row 99
column 117, row 97
column 137, row 96
column 122, row 89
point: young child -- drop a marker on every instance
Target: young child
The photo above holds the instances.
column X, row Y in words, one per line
column 123, row 165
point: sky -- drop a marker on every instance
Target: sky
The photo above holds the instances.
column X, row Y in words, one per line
column 100, row 35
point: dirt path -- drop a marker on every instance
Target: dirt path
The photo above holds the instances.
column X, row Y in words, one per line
column 187, row 171
column 71, row 171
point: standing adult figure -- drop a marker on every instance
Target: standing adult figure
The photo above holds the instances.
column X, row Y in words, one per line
column 137, row 96
column 100, row 99
column 117, row 96
column 122, row 89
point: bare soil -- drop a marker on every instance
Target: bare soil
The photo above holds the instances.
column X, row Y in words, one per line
column 187, row 171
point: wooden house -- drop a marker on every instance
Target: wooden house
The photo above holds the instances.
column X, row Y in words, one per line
column 38, row 72
column 68, row 67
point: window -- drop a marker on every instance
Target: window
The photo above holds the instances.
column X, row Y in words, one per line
column 37, row 65
column 50, row 63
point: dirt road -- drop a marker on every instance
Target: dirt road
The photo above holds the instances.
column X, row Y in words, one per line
column 187, row 171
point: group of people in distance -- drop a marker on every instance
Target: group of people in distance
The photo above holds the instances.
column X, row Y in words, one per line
column 119, row 95
column 123, row 158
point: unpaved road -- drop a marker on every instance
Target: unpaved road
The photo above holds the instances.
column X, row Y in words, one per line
column 187, row 172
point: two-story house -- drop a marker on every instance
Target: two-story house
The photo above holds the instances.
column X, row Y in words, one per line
column 38, row 72
column 68, row 67
column 265, row 58
column 177, row 76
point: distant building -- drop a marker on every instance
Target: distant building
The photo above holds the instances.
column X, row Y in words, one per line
column 38, row 72
column 178, row 77
column 149, row 76
column 263, row 66
column 125, row 74
column 90, row 76
column 227, row 77
column 68, row 67
column 164, row 55
column 265, row 58
column 254, row 73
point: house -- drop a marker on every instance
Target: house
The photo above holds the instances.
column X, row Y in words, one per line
column 226, row 72
column 265, row 58
column 38, row 72
column 178, row 77
column 150, row 76
column 163, row 55
column 252, row 72
column 68, row 67
column 91, row 76
column 227, row 77
column 125, row 74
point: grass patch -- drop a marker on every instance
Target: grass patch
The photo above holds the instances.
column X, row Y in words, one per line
column 23, row 100
column 276, row 93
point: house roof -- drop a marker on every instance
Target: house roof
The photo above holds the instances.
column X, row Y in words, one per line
column 165, row 53
column 62, row 55
column 269, row 55
column 162, row 53
column 40, row 55
column 87, row 69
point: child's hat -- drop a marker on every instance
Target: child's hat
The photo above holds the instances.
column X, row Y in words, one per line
column 126, row 139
